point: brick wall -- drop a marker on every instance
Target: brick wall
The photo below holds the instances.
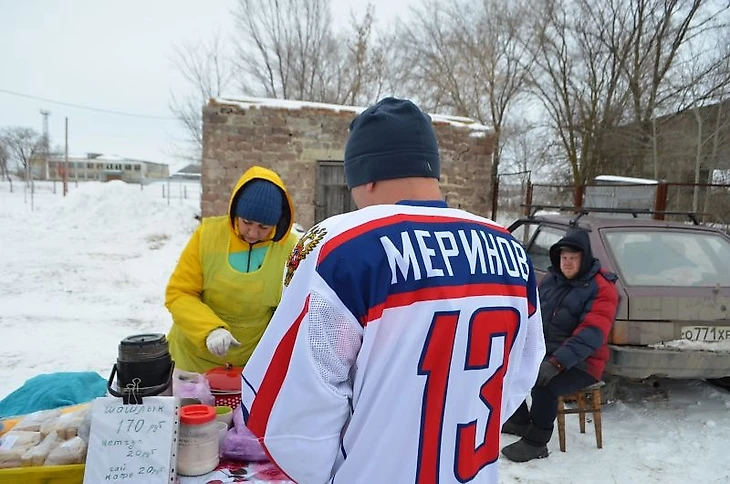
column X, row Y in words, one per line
column 290, row 138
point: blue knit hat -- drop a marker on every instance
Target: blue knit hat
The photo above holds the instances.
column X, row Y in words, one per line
column 259, row 201
column 392, row 139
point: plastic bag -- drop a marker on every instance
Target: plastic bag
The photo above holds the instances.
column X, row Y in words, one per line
column 84, row 430
column 187, row 384
column 34, row 421
column 14, row 444
column 36, row 456
column 12, row 457
column 240, row 443
column 19, row 438
column 66, row 424
column 72, row 451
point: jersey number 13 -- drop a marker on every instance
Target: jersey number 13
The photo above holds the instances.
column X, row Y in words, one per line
column 490, row 337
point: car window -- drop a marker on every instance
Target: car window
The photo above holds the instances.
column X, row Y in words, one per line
column 523, row 233
column 670, row 258
column 539, row 249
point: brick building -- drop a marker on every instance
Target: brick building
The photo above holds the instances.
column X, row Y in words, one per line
column 304, row 143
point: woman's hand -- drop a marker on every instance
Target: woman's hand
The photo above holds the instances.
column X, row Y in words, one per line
column 219, row 341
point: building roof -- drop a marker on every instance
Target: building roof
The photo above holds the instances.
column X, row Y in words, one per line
column 255, row 102
column 192, row 168
column 99, row 157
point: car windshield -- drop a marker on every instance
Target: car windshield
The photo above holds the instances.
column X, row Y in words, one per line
column 670, row 258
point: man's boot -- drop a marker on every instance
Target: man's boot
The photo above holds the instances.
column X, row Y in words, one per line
column 519, row 422
column 522, row 451
column 533, row 445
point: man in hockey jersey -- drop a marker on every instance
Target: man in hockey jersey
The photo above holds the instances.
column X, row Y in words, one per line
column 407, row 332
column 579, row 302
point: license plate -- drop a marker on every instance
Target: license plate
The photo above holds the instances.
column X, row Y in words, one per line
column 706, row 333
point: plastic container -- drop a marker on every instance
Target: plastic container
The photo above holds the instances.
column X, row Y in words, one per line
column 224, row 413
column 197, row 451
column 70, row 474
column 222, row 432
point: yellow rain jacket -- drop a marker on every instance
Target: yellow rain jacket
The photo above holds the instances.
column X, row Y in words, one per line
column 205, row 292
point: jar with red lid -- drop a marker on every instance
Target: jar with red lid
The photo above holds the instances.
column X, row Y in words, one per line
column 197, row 451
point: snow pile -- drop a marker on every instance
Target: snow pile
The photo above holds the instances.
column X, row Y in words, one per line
column 683, row 344
column 117, row 207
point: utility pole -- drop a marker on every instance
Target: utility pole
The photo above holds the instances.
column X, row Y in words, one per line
column 46, row 142
column 65, row 164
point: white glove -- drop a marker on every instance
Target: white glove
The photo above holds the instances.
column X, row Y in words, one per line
column 219, row 341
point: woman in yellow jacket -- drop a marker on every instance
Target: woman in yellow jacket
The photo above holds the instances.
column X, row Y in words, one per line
column 229, row 278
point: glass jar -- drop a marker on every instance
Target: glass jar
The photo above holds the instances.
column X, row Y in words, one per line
column 197, row 451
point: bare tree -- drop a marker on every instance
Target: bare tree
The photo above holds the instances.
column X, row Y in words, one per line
column 495, row 53
column 430, row 56
column 662, row 29
column 283, row 44
column 352, row 71
column 703, row 85
column 288, row 49
column 722, row 121
column 471, row 59
column 666, row 46
column 581, row 46
column 209, row 73
column 601, row 65
column 390, row 67
column 22, row 144
column 4, row 158
column 531, row 150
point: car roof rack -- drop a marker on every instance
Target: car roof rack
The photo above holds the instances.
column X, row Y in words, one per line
column 582, row 211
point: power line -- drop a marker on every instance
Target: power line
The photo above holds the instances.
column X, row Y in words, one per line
column 89, row 108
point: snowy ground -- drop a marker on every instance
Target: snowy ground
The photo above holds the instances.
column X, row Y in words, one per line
column 80, row 273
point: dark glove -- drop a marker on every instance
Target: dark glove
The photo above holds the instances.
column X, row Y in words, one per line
column 547, row 372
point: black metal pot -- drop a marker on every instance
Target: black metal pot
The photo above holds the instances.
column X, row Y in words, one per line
column 143, row 366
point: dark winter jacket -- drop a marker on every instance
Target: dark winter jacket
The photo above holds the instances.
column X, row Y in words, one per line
column 578, row 313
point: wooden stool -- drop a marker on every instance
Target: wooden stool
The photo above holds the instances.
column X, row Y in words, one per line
column 593, row 392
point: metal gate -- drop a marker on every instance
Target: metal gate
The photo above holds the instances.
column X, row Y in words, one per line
column 333, row 197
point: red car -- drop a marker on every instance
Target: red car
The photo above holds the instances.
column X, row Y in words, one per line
column 674, row 286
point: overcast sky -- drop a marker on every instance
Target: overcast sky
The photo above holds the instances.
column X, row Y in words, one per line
column 112, row 56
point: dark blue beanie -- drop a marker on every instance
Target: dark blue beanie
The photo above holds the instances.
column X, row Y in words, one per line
column 259, row 201
column 392, row 139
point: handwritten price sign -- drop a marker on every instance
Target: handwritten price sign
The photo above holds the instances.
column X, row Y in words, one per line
column 132, row 443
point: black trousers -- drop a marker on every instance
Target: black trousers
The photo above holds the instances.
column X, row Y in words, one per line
column 541, row 416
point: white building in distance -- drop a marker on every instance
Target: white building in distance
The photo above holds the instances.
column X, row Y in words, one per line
column 100, row 167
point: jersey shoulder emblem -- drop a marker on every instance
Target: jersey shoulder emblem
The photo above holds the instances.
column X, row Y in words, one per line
column 304, row 246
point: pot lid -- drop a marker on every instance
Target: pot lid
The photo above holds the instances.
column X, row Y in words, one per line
column 225, row 378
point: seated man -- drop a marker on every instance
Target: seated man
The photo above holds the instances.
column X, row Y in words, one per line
column 578, row 300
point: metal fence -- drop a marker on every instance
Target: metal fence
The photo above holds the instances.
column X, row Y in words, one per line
column 709, row 203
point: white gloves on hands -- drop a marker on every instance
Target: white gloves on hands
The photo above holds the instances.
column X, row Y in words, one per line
column 219, row 341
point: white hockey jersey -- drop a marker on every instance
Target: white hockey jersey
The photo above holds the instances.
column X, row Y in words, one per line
column 407, row 334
